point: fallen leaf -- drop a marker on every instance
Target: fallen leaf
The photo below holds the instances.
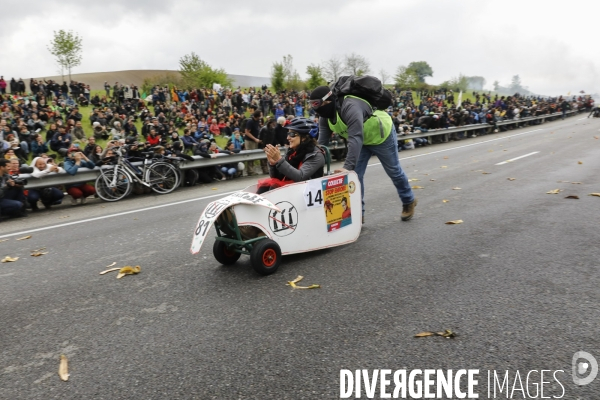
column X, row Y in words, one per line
column 456, row 188
column 443, row 166
column 595, row 194
column 490, row 151
column 432, row 180
column 413, row 180
column 213, row 188
column 63, row 369
column 425, row 334
column 37, row 254
column 445, row 201
column 4, row 240
column 9, row 259
column 418, row 187
column 563, row 182
column 511, row 179
column 555, row 191
column 579, row 162
column 504, row 150
column 572, row 196
column 110, row 270
column 445, row 158
column 128, row 270
column 25, row 237
column 486, row 173
column 576, row 183
column 596, row 137
column 110, row 265
column 298, row 279
column 455, row 222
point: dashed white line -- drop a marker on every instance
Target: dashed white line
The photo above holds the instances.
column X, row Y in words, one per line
column 517, row 158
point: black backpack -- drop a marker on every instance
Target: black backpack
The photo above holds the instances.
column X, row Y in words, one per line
column 366, row 87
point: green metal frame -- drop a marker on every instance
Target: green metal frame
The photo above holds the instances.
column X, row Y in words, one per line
column 236, row 244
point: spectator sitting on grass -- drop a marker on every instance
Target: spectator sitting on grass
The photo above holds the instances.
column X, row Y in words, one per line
column 153, row 139
column 77, row 133
column 38, row 146
column 61, row 141
column 189, row 143
column 117, row 131
column 100, row 131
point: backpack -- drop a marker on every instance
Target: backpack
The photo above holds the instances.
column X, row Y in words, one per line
column 366, row 87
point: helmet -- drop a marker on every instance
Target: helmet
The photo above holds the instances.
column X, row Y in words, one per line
column 303, row 126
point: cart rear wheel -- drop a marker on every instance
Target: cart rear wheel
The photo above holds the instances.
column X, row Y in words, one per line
column 265, row 257
column 223, row 254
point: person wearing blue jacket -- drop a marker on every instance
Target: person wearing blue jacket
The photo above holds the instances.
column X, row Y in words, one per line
column 76, row 159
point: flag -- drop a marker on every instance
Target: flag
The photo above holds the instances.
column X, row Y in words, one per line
column 459, row 99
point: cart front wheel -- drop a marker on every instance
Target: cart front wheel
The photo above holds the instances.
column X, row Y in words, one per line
column 223, row 254
column 265, row 257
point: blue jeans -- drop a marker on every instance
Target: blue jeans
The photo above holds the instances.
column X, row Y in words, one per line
column 228, row 171
column 387, row 153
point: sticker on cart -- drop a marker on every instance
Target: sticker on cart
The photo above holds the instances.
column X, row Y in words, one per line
column 313, row 194
column 336, row 203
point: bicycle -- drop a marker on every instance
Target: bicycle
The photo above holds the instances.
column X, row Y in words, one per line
column 116, row 182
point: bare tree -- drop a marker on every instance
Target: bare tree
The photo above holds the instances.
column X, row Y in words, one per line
column 356, row 64
column 333, row 69
column 385, row 77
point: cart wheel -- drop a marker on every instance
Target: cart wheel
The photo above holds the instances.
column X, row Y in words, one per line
column 265, row 257
column 224, row 255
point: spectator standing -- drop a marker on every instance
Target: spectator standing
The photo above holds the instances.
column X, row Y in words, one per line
column 11, row 195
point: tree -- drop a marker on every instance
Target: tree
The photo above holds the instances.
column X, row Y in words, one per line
column 333, row 69
column 66, row 48
column 315, row 76
column 277, row 76
column 421, row 69
column 406, row 78
column 196, row 73
column 167, row 79
column 356, row 64
column 496, row 85
column 475, row 82
column 515, row 84
column 385, row 77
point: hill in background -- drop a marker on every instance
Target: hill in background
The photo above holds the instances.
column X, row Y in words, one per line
column 136, row 77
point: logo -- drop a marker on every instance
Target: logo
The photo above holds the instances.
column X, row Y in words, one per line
column 283, row 223
column 351, row 187
column 582, row 368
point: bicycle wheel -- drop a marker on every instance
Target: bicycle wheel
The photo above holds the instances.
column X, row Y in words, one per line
column 111, row 189
column 162, row 177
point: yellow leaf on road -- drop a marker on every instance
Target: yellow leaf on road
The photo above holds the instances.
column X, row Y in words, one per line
column 579, row 162
column 128, row 270
column 9, row 259
column 455, row 222
column 572, row 196
column 425, row 334
column 37, row 254
column 63, row 369
column 555, row 191
column 595, row 194
column 445, row 201
column 418, row 187
column 456, row 188
column 511, row 179
column 25, row 237
column 413, row 180
column 4, row 240
column 110, row 270
column 432, row 180
column 443, row 166
column 486, row 173
column 576, row 183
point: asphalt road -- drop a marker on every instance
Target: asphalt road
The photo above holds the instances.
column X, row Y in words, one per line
column 517, row 281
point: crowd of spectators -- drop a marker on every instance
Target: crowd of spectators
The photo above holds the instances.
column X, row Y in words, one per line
column 43, row 129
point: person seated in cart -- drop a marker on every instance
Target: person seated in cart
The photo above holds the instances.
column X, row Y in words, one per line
column 304, row 159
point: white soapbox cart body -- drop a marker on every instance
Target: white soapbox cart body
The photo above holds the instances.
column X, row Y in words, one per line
column 296, row 218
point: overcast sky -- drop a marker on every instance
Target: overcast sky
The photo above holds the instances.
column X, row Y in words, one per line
column 552, row 46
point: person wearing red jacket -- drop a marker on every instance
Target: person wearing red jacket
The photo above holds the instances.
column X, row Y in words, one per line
column 153, row 138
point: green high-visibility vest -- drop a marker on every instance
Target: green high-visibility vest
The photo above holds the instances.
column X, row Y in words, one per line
column 375, row 129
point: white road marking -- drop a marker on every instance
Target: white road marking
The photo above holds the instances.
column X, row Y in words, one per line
column 463, row 146
column 223, row 194
column 516, row 158
column 114, row 215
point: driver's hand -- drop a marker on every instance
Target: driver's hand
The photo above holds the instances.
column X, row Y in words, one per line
column 10, row 182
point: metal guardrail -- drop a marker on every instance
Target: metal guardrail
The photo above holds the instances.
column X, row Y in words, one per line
column 88, row 175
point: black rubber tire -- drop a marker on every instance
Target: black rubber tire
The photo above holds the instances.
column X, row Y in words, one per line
column 265, row 256
column 223, row 254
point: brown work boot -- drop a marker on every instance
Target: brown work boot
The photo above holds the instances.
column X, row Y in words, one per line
column 408, row 210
